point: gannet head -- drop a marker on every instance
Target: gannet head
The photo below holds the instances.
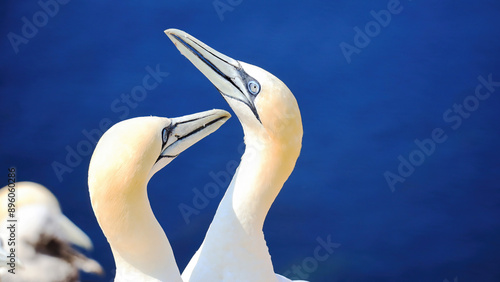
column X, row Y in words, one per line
column 264, row 105
column 133, row 150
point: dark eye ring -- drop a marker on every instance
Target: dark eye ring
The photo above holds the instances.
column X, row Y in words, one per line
column 253, row 87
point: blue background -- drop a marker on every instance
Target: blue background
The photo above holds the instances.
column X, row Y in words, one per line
column 442, row 222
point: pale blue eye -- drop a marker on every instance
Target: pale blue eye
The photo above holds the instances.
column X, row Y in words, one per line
column 253, row 87
column 164, row 135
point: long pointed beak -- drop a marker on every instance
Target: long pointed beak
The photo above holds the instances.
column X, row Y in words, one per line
column 185, row 131
column 225, row 73
column 74, row 234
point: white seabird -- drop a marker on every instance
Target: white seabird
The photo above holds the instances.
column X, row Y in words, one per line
column 124, row 160
column 234, row 248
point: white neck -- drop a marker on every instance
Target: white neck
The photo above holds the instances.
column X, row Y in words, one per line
column 234, row 248
column 140, row 247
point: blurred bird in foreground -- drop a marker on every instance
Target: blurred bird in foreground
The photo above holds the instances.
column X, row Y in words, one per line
column 43, row 237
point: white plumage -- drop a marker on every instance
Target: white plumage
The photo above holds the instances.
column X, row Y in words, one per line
column 234, row 248
column 125, row 158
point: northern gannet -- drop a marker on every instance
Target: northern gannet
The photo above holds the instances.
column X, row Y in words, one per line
column 124, row 160
column 42, row 237
column 234, row 248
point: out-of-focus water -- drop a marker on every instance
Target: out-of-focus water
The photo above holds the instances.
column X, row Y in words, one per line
column 367, row 90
